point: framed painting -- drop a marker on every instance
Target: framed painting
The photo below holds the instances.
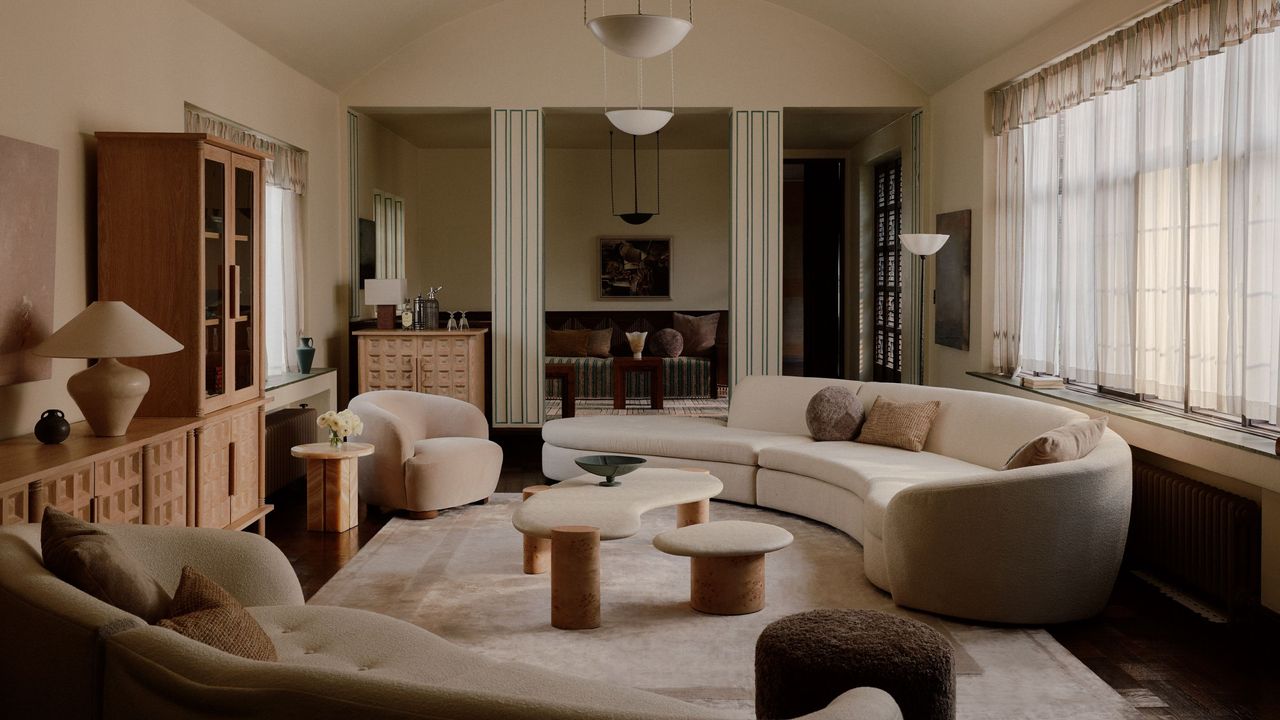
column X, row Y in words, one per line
column 952, row 281
column 635, row 268
column 28, row 233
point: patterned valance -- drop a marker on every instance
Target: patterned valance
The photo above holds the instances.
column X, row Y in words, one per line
column 1172, row 37
column 286, row 165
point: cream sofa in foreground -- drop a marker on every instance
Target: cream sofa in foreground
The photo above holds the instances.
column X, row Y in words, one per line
column 943, row 530
column 68, row 655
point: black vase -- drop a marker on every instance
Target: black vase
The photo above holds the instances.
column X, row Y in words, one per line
column 306, row 354
column 52, row 428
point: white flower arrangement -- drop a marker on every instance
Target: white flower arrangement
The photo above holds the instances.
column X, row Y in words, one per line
column 340, row 425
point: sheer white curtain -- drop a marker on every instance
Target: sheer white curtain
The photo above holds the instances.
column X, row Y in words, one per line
column 1148, row 223
column 282, row 289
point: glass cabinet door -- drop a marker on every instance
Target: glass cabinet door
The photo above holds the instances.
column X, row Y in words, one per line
column 244, row 247
column 214, row 276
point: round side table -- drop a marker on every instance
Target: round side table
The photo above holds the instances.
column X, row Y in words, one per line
column 333, row 484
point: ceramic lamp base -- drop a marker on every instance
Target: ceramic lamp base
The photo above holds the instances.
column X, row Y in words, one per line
column 109, row 394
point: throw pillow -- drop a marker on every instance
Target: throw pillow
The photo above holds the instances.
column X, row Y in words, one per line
column 834, row 413
column 698, row 332
column 567, row 343
column 1072, row 441
column 900, row 425
column 598, row 342
column 666, row 343
column 88, row 558
column 203, row 611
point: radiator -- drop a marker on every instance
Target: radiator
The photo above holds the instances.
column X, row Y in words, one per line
column 1198, row 536
column 285, row 428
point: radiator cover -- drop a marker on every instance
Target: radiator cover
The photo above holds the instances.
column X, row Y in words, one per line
column 285, row 428
column 1196, row 535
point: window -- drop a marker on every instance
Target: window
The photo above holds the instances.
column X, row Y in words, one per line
column 388, row 219
column 887, row 267
column 1149, row 220
column 282, row 231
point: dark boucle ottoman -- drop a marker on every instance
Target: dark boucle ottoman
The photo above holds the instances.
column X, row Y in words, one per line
column 806, row 660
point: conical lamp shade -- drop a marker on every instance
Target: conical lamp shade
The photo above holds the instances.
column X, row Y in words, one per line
column 923, row 243
column 639, row 36
column 107, row 329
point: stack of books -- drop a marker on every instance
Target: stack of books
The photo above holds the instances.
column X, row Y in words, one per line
column 1041, row 382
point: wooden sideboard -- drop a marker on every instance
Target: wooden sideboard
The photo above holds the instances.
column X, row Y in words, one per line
column 438, row 362
column 197, row 472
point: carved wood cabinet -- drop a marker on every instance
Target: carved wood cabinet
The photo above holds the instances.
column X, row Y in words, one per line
column 427, row 361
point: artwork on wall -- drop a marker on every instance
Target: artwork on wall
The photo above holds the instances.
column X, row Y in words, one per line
column 367, row 247
column 951, row 307
column 28, row 223
column 635, row 268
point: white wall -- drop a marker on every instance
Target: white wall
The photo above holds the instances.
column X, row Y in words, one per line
column 389, row 164
column 451, row 245
column 72, row 68
column 695, row 214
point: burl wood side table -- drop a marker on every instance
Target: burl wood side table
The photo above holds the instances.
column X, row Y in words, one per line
column 624, row 365
column 333, row 484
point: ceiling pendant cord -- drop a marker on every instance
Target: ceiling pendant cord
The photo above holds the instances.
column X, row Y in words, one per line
column 604, row 75
column 640, row 84
column 613, row 204
column 635, row 177
column 657, row 172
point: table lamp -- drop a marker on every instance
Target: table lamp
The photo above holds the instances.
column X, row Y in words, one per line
column 386, row 294
column 922, row 245
column 109, row 392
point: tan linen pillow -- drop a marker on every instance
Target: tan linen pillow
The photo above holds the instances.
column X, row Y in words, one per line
column 900, row 425
column 599, row 343
column 83, row 555
column 567, row 343
column 699, row 332
column 1072, row 441
column 203, row 611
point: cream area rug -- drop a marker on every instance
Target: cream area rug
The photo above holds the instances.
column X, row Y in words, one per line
column 459, row 576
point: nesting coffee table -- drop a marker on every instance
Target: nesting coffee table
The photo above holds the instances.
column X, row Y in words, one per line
column 564, row 524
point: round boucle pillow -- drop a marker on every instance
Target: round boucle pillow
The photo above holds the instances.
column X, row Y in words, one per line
column 806, row 660
column 666, row 343
column 834, row 413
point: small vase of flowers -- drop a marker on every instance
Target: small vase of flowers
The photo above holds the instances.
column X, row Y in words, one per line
column 340, row 425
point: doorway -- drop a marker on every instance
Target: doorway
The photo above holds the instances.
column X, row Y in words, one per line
column 813, row 267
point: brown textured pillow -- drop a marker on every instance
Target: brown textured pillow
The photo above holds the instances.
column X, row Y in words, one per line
column 85, row 556
column 1069, row 442
column 901, row 425
column 834, row 413
column 699, row 332
column 567, row 343
column 203, row 611
column 598, row 342
column 666, row 343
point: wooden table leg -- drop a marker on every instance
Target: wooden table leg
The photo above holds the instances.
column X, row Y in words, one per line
column 694, row 513
column 619, row 388
column 656, row 388
column 575, row 577
column 333, row 500
column 537, row 551
column 727, row 585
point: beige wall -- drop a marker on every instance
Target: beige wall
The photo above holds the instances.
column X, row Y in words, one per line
column 695, row 214
column 73, row 68
column 389, row 164
column 451, row 245
column 962, row 152
column 535, row 53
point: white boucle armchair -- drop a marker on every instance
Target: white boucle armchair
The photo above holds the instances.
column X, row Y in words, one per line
column 430, row 452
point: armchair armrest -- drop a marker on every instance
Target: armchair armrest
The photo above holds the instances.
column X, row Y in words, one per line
column 1034, row 545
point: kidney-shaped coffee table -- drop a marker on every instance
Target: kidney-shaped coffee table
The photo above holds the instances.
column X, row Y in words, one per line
column 569, row 519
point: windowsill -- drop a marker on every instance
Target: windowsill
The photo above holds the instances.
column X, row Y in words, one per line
column 275, row 382
column 1187, row 426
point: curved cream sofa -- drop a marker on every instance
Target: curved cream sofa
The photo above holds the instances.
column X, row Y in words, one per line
column 943, row 530
column 69, row 655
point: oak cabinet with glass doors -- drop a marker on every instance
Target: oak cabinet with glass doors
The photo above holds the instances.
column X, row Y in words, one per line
column 180, row 219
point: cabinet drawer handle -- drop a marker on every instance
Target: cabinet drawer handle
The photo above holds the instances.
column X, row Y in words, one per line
column 231, row 469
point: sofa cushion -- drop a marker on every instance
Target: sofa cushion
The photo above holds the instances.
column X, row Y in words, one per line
column 599, row 343
column 568, row 343
column 698, row 332
column 666, row 436
column 204, row 612
column 877, row 505
column 1069, row 442
column 902, row 425
column 777, row 403
column 855, row 466
column 86, row 557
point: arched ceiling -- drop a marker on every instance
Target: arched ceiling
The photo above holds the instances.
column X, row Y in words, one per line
column 932, row 42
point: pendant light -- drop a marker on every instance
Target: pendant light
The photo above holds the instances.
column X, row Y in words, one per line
column 639, row 36
column 637, row 216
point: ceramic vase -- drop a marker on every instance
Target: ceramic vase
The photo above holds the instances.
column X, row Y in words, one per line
column 52, row 427
column 636, row 340
column 306, row 354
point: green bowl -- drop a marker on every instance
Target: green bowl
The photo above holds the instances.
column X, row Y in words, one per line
column 609, row 467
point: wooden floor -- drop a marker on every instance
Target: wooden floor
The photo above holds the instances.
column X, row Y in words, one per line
column 1169, row 662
